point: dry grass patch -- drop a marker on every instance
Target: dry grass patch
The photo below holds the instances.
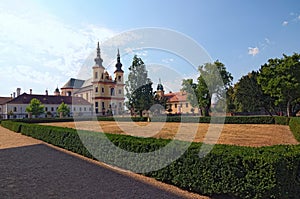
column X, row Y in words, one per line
column 233, row 134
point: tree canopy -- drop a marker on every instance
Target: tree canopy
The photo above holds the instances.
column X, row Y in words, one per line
column 213, row 81
column 280, row 78
column 63, row 109
column 139, row 87
column 35, row 107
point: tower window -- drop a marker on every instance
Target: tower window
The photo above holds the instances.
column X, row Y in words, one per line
column 103, row 105
column 96, row 89
column 112, row 91
column 120, row 91
column 119, row 77
column 102, row 76
column 102, row 89
column 175, row 105
column 96, row 75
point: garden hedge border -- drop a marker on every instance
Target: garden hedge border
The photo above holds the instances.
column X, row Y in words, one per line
column 227, row 171
column 186, row 119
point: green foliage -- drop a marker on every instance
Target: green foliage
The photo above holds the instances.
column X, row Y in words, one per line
column 249, row 96
column 139, row 87
column 14, row 126
column 282, row 120
column 35, row 107
column 227, row 171
column 213, row 79
column 63, row 109
column 295, row 127
column 280, row 78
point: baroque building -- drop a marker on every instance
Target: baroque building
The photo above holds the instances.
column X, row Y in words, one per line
column 105, row 92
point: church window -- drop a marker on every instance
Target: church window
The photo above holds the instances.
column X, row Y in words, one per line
column 96, row 104
column 80, row 109
column 102, row 76
column 52, row 109
column 87, row 96
column 84, row 108
column 119, row 77
column 175, row 105
column 103, row 107
column 120, row 91
column 112, row 91
column 102, row 89
column 96, row 89
column 15, row 109
column 96, row 75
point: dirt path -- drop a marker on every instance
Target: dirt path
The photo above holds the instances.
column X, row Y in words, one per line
column 235, row 134
column 33, row 169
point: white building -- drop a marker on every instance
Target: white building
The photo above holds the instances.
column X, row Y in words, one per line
column 16, row 107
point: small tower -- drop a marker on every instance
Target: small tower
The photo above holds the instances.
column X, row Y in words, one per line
column 56, row 92
column 160, row 89
column 119, row 72
column 98, row 69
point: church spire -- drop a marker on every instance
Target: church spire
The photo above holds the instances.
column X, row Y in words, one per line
column 118, row 64
column 98, row 59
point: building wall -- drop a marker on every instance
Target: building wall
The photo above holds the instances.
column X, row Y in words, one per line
column 181, row 107
column 18, row 111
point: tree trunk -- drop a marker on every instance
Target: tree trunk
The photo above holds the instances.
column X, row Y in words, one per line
column 289, row 108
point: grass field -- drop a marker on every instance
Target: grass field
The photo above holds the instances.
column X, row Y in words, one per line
column 234, row 134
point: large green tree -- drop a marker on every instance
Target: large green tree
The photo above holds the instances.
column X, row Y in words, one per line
column 35, row 107
column 249, row 96
column 213, row 82
column 280, row 78
column 138, row 87
column 63, row 109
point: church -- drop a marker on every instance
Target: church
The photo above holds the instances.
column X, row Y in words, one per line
column 104, row 92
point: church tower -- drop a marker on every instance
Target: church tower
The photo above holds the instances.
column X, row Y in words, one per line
column 160, row 89
column 119, row 79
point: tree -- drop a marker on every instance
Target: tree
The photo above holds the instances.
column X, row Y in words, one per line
column 139, row 87
column 213, row 82
column 249, row 96
column 63, row 109
column 280, row 78
column 35, row 107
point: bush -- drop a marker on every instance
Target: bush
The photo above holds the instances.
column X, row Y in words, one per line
column 282, row 120
column 14, row 126
column 295, row 127
column 227, row 171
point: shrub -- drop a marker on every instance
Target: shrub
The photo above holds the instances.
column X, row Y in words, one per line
column 295, row 127
column 282, row 120
column 14, row 126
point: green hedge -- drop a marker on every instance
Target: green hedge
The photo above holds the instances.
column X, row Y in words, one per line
column 295, row 127
column 227, row 171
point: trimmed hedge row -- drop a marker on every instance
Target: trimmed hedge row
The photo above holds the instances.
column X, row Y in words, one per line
column 295, row 127
column 227, row 171
column 190, row 119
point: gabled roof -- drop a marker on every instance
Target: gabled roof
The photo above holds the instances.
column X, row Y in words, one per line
column 49, row 99
column 73, row 83
column 176, row 97
column 4, row 100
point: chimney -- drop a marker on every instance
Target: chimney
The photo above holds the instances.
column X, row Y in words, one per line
column 14, row 94
column 46, row 92
column 30, row 91
column 18, row 91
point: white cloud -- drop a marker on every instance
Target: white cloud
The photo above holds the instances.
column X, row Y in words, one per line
column 253, row 51
column 285, row 23
column 45, row 50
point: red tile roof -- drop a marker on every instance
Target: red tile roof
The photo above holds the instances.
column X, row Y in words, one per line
column 176, row 97
column 4, row 100
column 49, row 99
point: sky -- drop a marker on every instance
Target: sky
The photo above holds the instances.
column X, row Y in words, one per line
column 44, row 43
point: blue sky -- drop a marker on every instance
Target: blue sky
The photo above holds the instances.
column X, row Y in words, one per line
column 44, row 43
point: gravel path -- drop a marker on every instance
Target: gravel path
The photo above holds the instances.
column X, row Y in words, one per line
column 32, row 169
